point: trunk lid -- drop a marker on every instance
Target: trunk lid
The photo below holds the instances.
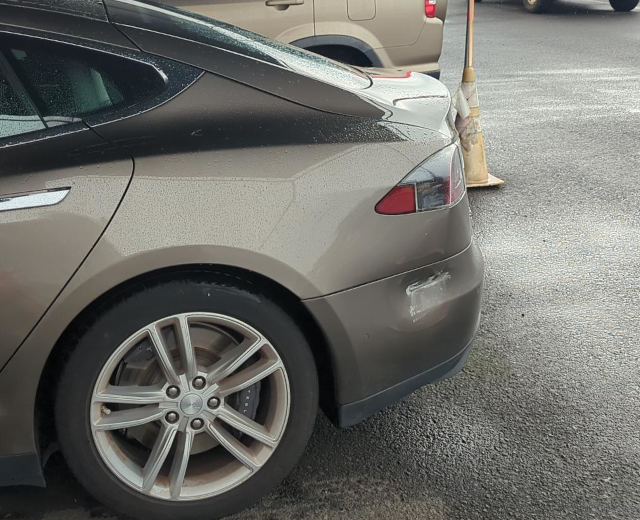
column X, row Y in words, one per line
column 411, row 98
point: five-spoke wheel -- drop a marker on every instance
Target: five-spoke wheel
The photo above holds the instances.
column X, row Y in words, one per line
column 192, row 403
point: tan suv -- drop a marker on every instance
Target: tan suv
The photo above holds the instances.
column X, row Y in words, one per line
column 405, row 35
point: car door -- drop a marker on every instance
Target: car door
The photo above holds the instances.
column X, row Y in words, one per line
column 284, row 20
column 60, row 182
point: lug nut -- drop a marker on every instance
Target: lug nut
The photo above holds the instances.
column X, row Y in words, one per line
column 172, row 417
column 173, row 391
column 199, row 382
column 214, row 402
column 196, row 424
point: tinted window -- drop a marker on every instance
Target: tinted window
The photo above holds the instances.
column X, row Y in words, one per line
column 17, row 116
column 67, row 82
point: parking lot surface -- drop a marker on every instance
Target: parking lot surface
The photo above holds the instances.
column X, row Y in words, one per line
column 544, row 421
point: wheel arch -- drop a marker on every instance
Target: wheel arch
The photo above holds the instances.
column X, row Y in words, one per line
column 339, row 40
column 47, row 384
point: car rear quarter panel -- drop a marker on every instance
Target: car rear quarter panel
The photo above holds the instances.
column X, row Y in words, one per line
column 276, row 187
column 399, row 33
column 395, row 23
column 229, row 175
column 423, row 55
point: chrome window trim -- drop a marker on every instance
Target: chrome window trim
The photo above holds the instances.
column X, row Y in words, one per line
column 34, row 199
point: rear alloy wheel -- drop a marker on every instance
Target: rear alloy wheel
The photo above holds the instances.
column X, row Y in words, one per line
column 537, row 6
column 170, row 407
column 624, row 5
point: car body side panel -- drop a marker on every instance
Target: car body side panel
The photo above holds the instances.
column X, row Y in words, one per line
column 395, row 23
column 314, row 180
column 43, row 246
column 441, row 9
column 285, row 25
column 361, row 9
column 423, row 55
column 400, row 35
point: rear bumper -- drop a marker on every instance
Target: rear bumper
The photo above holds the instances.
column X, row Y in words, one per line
column 390, row 337
column 353, row 413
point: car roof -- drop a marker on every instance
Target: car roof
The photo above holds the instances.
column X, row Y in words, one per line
column 92, row 9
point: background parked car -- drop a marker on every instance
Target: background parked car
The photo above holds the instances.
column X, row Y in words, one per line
column 405, row 35
column 541, row 6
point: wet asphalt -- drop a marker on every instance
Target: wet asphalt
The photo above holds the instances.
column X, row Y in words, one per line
column 544, row 421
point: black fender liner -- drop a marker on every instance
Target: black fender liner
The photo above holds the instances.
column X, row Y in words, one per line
column 343, row 41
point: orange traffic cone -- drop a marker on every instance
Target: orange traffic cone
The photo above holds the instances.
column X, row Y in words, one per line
column 468, row 120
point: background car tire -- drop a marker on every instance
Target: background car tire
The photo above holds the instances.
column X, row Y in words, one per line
column 624, row 5
column 143, row 304
column 537, row 6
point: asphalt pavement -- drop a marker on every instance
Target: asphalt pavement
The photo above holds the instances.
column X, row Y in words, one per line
column 544, row 421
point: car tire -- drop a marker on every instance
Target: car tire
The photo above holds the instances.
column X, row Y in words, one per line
column 624, row 5
column 537, row 6
column 207, row 304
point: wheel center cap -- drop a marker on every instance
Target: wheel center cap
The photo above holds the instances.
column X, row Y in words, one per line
column 191, row 404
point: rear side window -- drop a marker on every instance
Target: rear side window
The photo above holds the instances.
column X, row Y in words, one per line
column 68, row 83
column 17, row 115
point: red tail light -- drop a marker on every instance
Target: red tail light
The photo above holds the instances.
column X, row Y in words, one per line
column 430, row 8
column 436, row 183
column 399, row 201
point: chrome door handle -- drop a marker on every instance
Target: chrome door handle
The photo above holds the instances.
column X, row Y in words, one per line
column 35, row 199
column 276, row 3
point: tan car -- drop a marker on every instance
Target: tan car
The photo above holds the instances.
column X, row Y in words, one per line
column 205, row 234
column 404, row 35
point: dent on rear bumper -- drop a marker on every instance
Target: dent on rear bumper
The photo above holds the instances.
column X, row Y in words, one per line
column 383, row 334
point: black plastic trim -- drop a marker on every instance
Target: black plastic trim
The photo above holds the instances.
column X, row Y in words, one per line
column 18, row 87
column 21, row 470
column 354, row 413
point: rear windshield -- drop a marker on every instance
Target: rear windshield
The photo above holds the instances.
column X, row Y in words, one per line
column 201, row 29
